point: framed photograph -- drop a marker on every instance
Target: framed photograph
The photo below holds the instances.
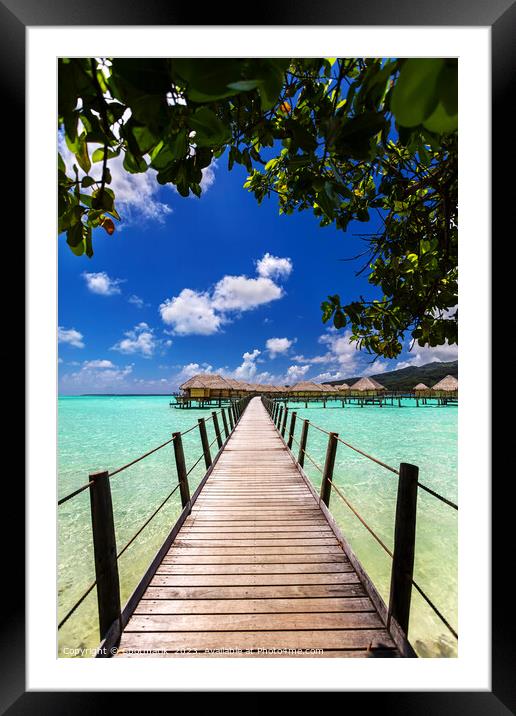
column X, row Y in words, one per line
column 244, row 432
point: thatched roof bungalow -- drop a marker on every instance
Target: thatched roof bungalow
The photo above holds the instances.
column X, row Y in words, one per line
column 422, row 391
column 306, row 388
column 448, row 387
column 342, row 388
column 198, row 386
column 367, row 387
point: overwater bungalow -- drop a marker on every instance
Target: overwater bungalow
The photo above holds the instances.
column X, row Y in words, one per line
column 367, row 387
column 196, row 387
column 422, row 391
column 306, row 389
column 448, row 387
column 343, row 389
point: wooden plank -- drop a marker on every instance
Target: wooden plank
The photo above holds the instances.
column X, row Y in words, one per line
column 197, row 541
column 252, row 622
column 256, row 559
column 235, row 580
column 296, row 568
column 264, row 654
column 298, row 591
column 325, row 549
column 256, row 529
column 254, row 606
column 302, row 639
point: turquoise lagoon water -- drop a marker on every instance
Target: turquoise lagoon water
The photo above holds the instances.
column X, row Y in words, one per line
column 97, row 433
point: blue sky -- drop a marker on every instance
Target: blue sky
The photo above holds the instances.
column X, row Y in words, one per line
column 211, row 284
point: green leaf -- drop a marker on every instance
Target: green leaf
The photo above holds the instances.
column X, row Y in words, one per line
column 440, row 121
column 327, row 310
column 339, row 320
column 271, row 84
column 210, row 131
column 75, row 235
column 82, row 155
column 103, row 199
column 209, row 81
column 134, row 165
column 88, row 248
column 87, row 181
column 98, row 154
column 415, row 94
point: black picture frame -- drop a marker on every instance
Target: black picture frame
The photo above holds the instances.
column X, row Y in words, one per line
column 15, row 17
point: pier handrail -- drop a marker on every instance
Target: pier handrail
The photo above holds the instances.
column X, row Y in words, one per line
column 402, row 579
column 104, row 542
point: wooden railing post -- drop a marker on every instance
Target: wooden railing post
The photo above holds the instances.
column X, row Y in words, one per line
column 230, row 415
column 404, row 545
column 225, row 423
column 284, row 424
column 275, row 412
column 204, row 442
column 235, row 414
column 329, row 464
column 217, row 430
column 302, row 443
column 104, row 549
column 291, row 429
column 280, row 413
column 182, row 477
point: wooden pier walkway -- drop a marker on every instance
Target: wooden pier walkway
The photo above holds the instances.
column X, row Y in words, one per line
column 258, row 568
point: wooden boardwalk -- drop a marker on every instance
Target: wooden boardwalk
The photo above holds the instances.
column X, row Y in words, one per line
column 257, row 569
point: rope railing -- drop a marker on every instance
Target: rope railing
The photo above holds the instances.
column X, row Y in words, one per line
column 403, row 554
column 195, row 464
column 361, row 519
column 104, row 542
column 147, row 521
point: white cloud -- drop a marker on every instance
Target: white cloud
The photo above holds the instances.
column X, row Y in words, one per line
column 438, row 354
column 273, row 266
column 277, row 346
column 208, row 176
column 101, row 364
column 239, row 293
column 70, row 336
column 327, row 376
column 326, row 358
column 137, row 301
column 102, row 284
column 295, row 373
column 191, row 313
column 204, row 312
column 247, row 369
column 140, row 340
column 341, row 350
column 92, row 378
column 375, row 368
